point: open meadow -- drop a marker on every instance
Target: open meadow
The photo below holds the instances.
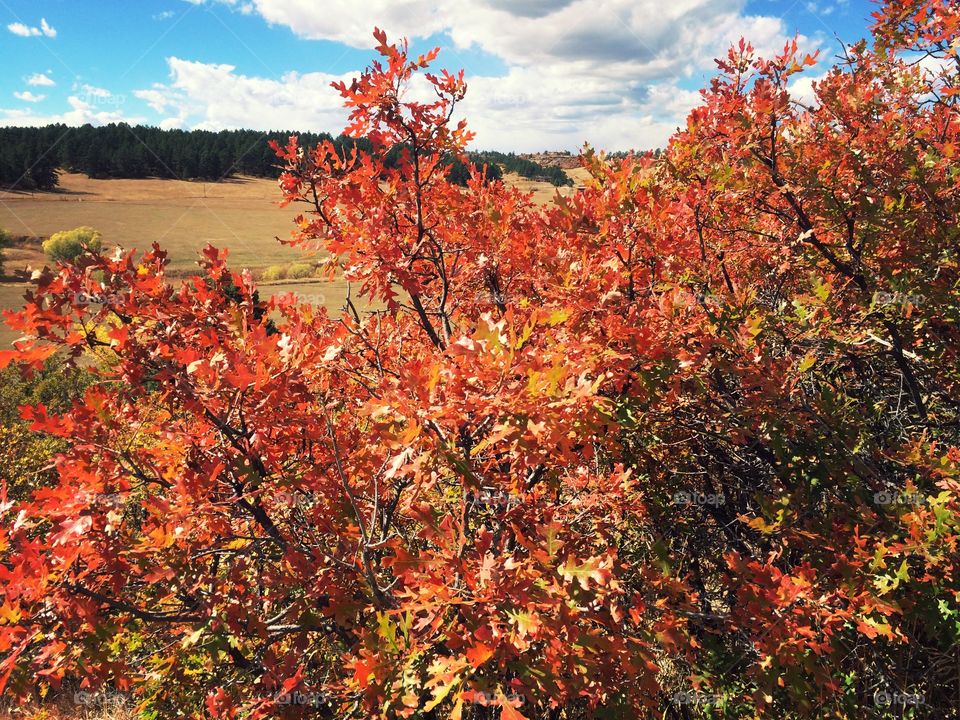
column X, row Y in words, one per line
column 241, row 214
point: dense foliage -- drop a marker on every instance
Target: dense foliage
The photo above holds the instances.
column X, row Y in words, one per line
column 28, row 160
column 30, row 157
column 125, row 151
column 682, row 445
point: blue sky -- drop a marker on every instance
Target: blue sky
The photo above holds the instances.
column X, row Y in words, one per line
column 542, row 73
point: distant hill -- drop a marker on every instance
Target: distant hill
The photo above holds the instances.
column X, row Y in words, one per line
column 562, row 159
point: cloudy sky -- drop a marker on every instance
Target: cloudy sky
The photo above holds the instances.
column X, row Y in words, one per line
column 542, row 74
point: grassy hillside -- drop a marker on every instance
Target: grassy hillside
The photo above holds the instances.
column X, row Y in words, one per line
column 240, row 214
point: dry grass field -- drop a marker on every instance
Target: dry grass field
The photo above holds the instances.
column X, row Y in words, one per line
column 240, row 214
column 183, row 217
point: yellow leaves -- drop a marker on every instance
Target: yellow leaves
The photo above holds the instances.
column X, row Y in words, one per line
column 590, row 570
column 439, row 695
column 886, row 583
column 767, row 528
column 879, row 558
column 192, row 639
column 24, row 455
column 491, row 333
column 9, row 614
column 551, row 541
column 557, row 317
column 547, row 382
column 751, row 328
column 525, row 334
column 443, row 682
column 806, row 362
column 874, row 628
column 526, row 622
column 434, row 378
column 822, row 288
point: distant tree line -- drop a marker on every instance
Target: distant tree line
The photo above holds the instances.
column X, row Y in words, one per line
column 30, row 157
column 621, row 154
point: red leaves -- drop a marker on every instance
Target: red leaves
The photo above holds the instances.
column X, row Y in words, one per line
column 478, row 654
column 27, row 354
column 381, row 37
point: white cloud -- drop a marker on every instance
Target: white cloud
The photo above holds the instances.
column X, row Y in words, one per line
column 28, row 96
column 661, row 38
column 611, row 73
column 165, row 15
column 96, row 92
column 22, row 30
column 45, row 30
column 40, row 79
column 244, row 6
column 525, row 110
column 80, row 113
column 615, row 73
column 802, row 88
column 295, row 101
column 537, row 109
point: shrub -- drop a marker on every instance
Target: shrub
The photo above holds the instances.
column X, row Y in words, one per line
column 686, row 446
column 69, row 244
column 273, row 273
column 298, row 271
column 25, row 455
